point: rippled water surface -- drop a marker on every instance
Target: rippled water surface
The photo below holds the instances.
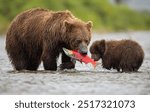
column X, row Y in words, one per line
column 83, row 80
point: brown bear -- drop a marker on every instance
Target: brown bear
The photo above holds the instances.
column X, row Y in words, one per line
column 125, row 55
column 39, row 35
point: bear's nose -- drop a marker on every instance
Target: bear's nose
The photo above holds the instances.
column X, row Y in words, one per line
column 83, row 51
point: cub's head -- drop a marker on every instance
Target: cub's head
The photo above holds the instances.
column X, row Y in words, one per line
column 97, row 49
column 78, row 35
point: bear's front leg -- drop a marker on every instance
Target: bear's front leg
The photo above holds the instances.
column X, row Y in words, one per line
column 67, row 63
column 50, row 62
column 106, row 63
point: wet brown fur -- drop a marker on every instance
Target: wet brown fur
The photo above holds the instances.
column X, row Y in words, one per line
column 39, row 34
column 125, row 55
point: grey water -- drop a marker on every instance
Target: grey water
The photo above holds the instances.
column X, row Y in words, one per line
column 84, row 79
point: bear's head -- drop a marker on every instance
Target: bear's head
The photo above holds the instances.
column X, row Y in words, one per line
column 78, row 35
column 97, row 49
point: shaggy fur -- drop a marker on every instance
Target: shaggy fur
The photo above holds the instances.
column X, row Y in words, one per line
column 126, row 55
column 38, row 35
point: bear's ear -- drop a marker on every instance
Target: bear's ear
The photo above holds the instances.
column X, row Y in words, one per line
column 102, row 42
column 68, row 24
column 102, row 46
column 89, row 24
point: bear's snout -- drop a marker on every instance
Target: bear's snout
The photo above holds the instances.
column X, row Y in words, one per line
column 83, row 49
column 95, row 57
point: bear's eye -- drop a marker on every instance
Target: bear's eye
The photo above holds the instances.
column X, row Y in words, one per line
column 78, row 41
column 86, row 41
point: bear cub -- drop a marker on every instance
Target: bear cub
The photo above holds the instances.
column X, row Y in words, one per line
column 123, row 55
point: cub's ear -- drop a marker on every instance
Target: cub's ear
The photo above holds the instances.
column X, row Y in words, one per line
column 102, row 42
column 102, row 46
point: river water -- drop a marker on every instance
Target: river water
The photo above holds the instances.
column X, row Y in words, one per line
column 83, row 80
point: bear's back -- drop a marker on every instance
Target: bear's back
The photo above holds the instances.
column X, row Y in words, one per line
column 45, row 14
column 122, row 45
column 127, row 55
column 39, row 17
column 29, row 15
column 130, row 44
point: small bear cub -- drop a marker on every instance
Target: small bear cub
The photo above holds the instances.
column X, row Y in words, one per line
column 123, row 55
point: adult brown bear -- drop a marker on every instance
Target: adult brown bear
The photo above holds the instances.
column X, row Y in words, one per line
column 39, row 35
column 126, row 55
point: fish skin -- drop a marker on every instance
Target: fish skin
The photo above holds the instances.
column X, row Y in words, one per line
column 82, row 58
